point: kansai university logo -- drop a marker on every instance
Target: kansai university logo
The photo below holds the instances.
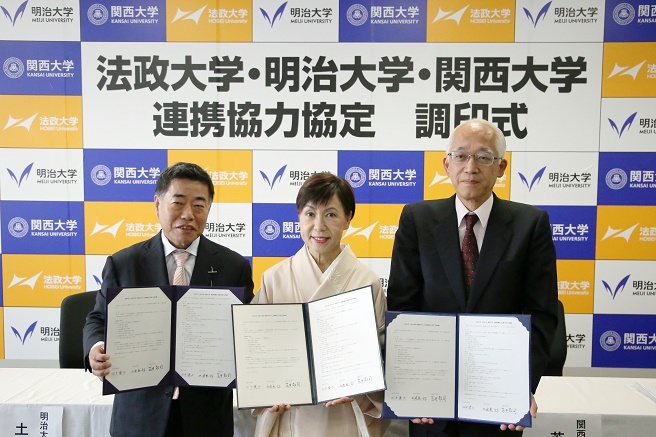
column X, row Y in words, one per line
column 188, row 15
column 619, row 233
column 277, row 15
column 620, row 286
column 535, row 180
column 450, row 15
column 365, row 232
column 18, row 122
column 541, row 14
column 277, row 177
column 28, row 332
column 24, row 174
column 627, row 71
column 18, row 14
column 626, row 125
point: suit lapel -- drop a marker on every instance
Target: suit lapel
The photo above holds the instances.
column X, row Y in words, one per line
column 153, row 263
column 206, row 253
column 448, row 247
column 497, row 237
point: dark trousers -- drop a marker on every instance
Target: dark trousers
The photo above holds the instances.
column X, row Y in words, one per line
column 174, row 423
column 460, row 429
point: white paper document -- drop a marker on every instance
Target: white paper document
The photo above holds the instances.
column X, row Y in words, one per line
column 459, row 367
column 307, row 353
column 170, row 335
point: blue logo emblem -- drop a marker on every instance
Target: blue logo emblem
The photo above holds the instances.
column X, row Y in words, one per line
column 277, row 177
column 98, row 280
column 24, row 174
column 541, row 14
column 269, row 230
column 535, row 180
column 277, row 15
column 626, row 125
column 623, row 14
column 616, row 179
column 97, row 14
column 357, row 15
column 610, row 341
column 18, row 227
column 619, row 288
column 28, row 333
column 13, row 68
column 356, row 177
column 101, row 175
column 19, row 12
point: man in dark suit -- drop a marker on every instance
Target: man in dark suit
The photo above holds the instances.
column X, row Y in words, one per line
column 183, row 197
column 515, row 270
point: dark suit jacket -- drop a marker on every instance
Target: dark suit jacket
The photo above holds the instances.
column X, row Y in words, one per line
column 515, row 274
column 205, row 412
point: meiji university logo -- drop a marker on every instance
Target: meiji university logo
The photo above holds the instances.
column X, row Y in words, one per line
column 13, row 68
column 616, row 179
column 97, row 14
column 27, row 282
column 276, row 15
column 23, row 175
column 610, row 341
column 619, row 233
column 626, row 125
column 535, row 180
column 356, row 176
column 618, row 288
column 364, row 231
column 101, row 175
column 620, row 70
column 450, row 15
column 18, row 14
column 18, row 227
column 541, row 14
column 19, row 122
column 357, row 15
column 106, row 229
column 28, row 332
column 269, row 230
column 276, row 178
column 623, row 14
column 189, row 15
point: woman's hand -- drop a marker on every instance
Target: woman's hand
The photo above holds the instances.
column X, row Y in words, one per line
column 280, row 408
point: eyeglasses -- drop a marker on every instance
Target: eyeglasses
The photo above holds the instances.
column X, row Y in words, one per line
column 485, row 159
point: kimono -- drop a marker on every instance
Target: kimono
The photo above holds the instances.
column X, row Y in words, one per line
column 299, row 279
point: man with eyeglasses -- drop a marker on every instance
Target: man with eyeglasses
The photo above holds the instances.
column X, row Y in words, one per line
column 476, row 253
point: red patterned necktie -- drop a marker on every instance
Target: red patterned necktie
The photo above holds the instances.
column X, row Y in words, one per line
column 469, row 253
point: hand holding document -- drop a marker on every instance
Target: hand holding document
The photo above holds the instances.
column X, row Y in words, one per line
column 307, row 353
column 468, row 367
column 170, row 335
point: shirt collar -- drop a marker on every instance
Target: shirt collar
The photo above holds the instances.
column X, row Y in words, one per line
column 483, row 211
column 168, row 247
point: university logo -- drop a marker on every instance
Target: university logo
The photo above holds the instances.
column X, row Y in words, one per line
column 626, row 125
column 29, row 282
column 535, row 180
column 439, row 179
column 616, row 178
column 188, row 15
column 277, row 15
column 610, row 341
column 277, row 177
column 627, row 71
column 101, row 175
column 13, row 68
column 620, row 286
column 17, row 122
column 623, row 14
column 19, row 13
column 24, row 175
column 28, row 332
column 357, row 15
column 450, row 15
column 541, row 14
column 269, row 230
column 356, row 177
column 18, row 227
column 619, row 233
column 97, row 14
column 97, row 280
column 365, row 232
column 106, row 229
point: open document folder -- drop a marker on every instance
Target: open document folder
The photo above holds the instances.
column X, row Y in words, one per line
column 471, row 367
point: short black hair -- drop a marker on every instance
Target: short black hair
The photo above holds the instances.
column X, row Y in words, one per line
column 321, row 187
column 183, row 170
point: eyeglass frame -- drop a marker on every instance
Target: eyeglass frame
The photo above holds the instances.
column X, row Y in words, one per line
column 469, row 155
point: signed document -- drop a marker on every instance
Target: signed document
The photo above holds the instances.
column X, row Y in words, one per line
column 471, row 367
column 307, row 353
column 170, row 335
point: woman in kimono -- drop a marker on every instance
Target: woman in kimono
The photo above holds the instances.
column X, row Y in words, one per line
column 322, row 267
